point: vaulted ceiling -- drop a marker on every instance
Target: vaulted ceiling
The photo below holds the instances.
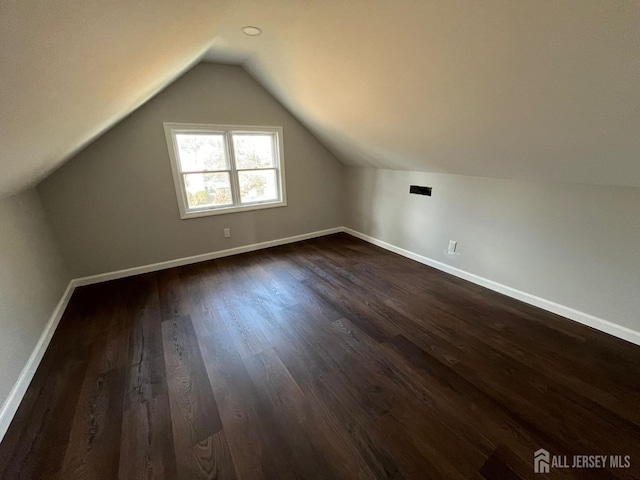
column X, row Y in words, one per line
column 70, row 69
column 543, row 90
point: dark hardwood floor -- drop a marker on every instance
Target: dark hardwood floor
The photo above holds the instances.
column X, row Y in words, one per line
column 329, row 358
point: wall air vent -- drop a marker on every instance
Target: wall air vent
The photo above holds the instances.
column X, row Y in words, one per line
column 420, row 190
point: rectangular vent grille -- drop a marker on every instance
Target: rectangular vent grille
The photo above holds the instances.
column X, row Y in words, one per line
column 420, row 190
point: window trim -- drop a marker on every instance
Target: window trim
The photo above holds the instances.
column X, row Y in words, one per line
column 170, row 131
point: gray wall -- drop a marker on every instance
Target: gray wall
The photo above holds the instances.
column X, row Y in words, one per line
column 576, row 245
column 33, row 278
column 113, row 206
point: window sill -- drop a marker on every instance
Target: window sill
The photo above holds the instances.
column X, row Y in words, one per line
column 232, row 209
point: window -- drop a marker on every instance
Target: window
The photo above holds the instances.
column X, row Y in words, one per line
column 224, row 169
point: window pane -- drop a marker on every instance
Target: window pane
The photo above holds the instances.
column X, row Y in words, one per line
column 258, row 186
column 253, row 150
column 208, row 189
column 199, row 152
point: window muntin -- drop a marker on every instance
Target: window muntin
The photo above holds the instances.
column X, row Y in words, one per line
column 223, row 169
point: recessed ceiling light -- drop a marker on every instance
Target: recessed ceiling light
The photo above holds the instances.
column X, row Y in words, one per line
column 251, row 31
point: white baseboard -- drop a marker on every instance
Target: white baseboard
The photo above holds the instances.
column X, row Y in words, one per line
column 154, row 267
column 568, row 312
column 11, row 404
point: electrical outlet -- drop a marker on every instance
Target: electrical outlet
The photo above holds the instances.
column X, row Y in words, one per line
column 453, row 245
column 227, row 232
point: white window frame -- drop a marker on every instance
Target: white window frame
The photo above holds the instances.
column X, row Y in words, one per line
column 170, row 131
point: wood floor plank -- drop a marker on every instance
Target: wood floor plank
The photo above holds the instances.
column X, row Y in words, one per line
column 93, row 448
column 174, row 301
column 147, row 449
column 242, row 319
column 255, row 445
column 93, row 451
column 212, row 459
column 44, row 421
column 194, row 413
column 356, row 451
column 282, row 398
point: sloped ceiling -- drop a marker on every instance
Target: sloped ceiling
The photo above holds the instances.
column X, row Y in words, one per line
column 69, row 69
column 545, row 90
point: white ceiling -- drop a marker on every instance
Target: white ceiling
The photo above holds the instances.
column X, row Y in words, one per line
column 543, row 90
column 70, row 69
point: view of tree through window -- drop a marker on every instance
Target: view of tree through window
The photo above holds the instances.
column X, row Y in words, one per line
column 258, row 185
column 208, row 189
column 227, row 168
column 202, row 152
column 253, row 151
